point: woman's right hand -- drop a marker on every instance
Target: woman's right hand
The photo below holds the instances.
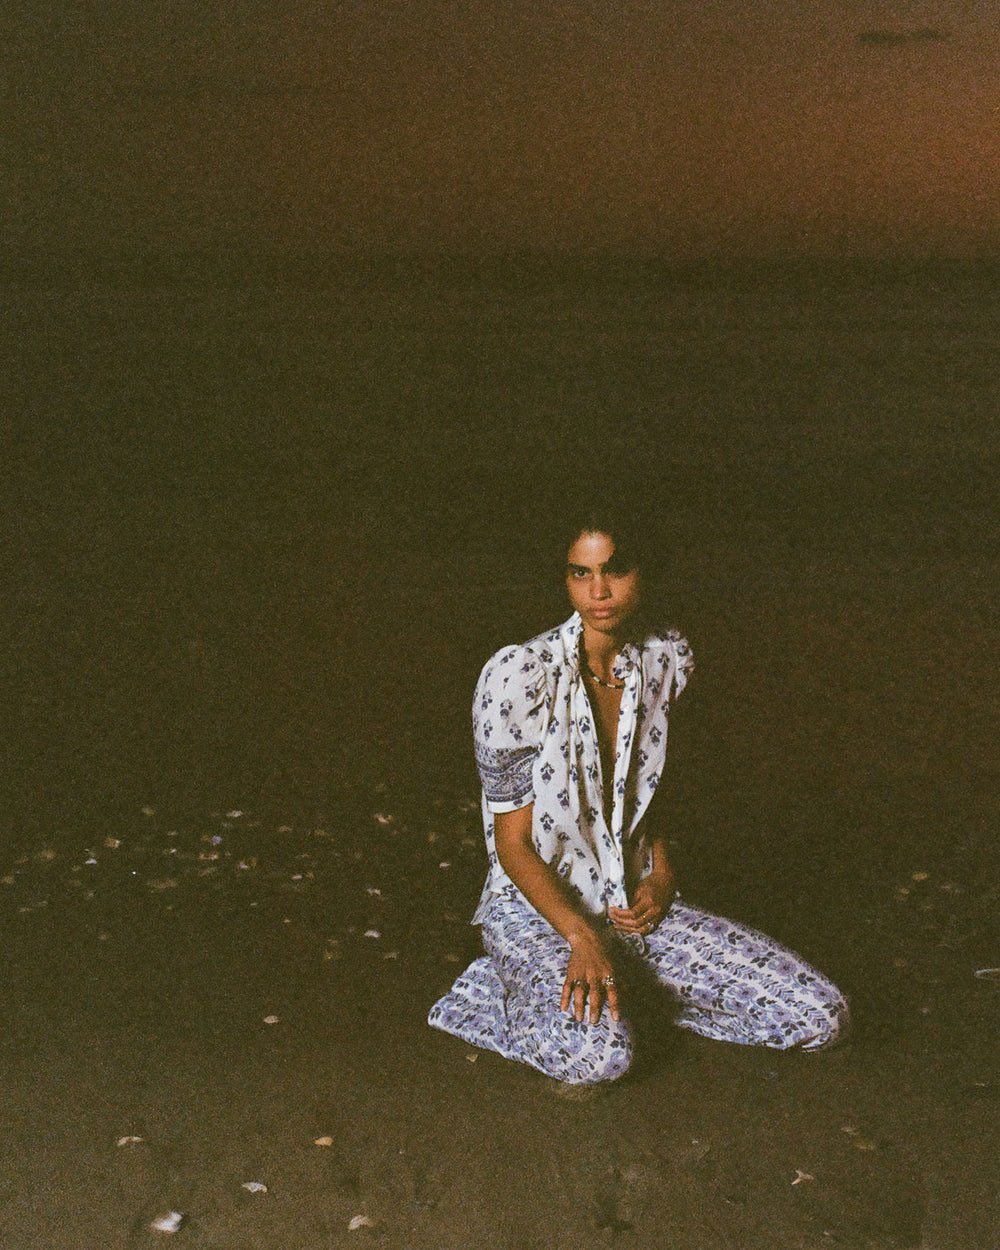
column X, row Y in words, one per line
column 589, row 967
column 590, row 979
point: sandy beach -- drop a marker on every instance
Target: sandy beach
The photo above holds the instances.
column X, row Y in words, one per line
column 194, row 1003
column 241, row 832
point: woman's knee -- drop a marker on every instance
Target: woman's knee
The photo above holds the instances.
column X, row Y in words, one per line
column 831, row 1027
column 588, row 1055
column 808, row 1026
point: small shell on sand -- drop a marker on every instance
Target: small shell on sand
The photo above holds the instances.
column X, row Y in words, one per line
column 168, row 1223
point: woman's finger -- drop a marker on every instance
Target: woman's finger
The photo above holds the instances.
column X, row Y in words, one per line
column 634, row 925
column 596, row 1002
column 638, row 926
column 573, row 996
column 567, row 994
column 618, row 916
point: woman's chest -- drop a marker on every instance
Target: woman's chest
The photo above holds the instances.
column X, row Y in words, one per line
column 606, row 706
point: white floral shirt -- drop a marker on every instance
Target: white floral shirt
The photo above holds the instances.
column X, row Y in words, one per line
column 536, row 742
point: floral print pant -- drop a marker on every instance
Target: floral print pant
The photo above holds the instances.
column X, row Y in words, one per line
column 721, row 979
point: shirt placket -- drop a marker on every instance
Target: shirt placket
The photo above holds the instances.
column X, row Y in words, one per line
column 623, row 753
column 613, row 872
column 615, row 880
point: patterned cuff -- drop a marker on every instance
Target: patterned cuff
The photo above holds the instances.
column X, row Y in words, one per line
column 510, row 805
column 506, row 774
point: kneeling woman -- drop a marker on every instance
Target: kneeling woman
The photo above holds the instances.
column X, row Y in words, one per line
column 571, row 737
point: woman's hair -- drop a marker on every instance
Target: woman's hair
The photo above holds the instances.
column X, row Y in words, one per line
column 629, row 537
column 635, row 545
column 638, row 544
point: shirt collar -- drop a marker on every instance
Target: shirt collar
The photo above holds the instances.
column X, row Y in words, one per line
column 572, row 632
column 626, row 661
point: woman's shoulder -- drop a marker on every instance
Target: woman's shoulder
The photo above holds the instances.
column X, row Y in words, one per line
column 669, row 644
column 662, row 636
column 524, row 663
column 667, row 660
column 541, row 651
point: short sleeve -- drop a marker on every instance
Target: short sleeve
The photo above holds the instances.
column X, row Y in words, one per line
column 683, row 662
column 508, row 721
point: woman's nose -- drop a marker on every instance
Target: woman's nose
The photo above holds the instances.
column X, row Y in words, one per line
column 600, row 588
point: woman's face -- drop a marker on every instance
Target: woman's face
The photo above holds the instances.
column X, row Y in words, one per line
column 604, row 595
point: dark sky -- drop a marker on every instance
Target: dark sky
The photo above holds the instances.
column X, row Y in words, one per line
column 678, row 127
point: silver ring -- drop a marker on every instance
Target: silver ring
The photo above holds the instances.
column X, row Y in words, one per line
column 609, row 981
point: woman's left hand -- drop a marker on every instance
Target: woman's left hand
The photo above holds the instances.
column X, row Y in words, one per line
column 650, row 903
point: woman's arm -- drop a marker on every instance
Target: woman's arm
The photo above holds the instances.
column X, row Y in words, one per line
column 589, row 963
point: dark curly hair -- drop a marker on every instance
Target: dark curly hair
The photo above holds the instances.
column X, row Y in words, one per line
column 631, row 539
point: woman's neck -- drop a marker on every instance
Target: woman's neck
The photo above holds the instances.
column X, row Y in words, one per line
column 600, row 651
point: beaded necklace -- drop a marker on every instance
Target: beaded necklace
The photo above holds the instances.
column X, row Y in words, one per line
column 608, row 685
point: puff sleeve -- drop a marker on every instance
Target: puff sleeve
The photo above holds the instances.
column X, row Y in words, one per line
column 683, row 661
column 509, row 718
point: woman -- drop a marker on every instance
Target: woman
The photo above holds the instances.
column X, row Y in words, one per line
column 580, row 902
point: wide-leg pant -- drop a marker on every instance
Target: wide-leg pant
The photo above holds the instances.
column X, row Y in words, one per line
column 724, row 980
